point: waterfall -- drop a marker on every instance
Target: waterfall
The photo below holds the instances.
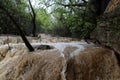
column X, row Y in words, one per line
column 62, row 61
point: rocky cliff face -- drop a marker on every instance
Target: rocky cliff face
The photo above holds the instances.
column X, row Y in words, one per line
column 65, row 61
column 112, row 5
column 108, row 26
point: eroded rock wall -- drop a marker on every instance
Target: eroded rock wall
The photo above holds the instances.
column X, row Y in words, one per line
column 108, row 28
column 112, row 5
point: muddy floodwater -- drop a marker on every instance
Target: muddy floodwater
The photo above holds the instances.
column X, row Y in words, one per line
column 56, row 58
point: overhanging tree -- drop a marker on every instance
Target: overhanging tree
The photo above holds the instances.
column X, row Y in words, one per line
column 29, row 46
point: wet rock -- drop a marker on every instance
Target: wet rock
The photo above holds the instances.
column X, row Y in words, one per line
column 43, row 47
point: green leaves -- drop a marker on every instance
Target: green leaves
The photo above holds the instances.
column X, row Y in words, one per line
column 53, row 15
column 76, row 19
column 17, row 9
column 44, row 18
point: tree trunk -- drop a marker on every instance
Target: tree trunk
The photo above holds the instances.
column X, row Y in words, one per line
column 33, row 15
column 19, row 29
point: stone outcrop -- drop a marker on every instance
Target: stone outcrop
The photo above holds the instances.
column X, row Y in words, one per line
column 108, row 26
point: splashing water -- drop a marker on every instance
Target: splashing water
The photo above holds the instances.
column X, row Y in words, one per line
column 65, row 61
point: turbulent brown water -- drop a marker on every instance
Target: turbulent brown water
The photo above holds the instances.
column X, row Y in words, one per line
column 68, row 59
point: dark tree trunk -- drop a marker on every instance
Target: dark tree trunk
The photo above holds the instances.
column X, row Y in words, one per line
column 19, row 29
column 33, row 15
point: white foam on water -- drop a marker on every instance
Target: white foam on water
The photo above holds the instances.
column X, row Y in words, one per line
column 63, row 74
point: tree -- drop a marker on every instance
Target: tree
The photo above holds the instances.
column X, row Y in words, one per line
column 33, row 15
column 72, row 14
column 8, row 14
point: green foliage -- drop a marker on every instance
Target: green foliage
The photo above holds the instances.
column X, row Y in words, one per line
column 44, row 18
column 77, row 21
column 51, row 16
column 16, row 8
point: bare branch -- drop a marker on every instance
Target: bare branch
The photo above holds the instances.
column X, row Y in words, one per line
column 84, row 1
column 79, row 5
column 33, row 15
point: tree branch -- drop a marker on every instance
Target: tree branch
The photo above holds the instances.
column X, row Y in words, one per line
column 79, row 5
column 33, row 19
column 84, row 1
